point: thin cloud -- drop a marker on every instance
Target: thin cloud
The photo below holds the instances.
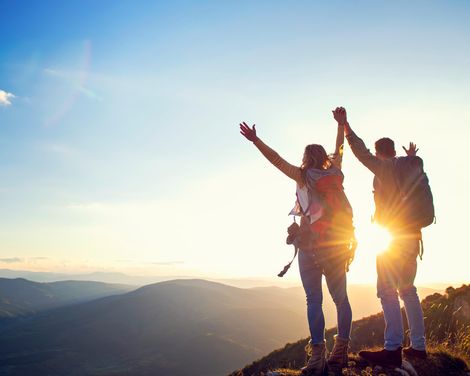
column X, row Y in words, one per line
column 168, row 263
column 11, row 260
column 16, row 260
column 88, row 206
column 56, row 148
column 5, row 98
column 159, row 263
column 75, row 79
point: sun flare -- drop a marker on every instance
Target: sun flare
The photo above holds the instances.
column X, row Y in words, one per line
column 373, row 238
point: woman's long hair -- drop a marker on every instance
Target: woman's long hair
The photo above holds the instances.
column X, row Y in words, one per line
column 314, row 157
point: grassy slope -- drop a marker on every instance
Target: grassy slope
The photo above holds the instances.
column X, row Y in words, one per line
column 447, row 319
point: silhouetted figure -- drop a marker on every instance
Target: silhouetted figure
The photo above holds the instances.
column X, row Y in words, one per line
column 396, row 267
column 324, row 237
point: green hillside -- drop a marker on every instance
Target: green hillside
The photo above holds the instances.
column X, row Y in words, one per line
column 447, row 320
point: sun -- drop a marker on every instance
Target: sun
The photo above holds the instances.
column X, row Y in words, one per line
column 373, row 239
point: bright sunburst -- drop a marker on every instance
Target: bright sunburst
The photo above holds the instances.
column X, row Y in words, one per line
column 373, row 239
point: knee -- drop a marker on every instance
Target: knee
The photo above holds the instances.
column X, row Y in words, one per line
column 314, row 298
column 387, row 293
column 342, row 305
column 340, row 298
column 408, row 292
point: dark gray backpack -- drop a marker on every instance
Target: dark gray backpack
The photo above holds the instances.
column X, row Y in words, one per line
column 416, row 200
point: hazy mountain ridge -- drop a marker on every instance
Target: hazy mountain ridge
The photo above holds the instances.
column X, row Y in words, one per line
column 447, row 320
column 20, row 297
column 137, row 280
column 105, row 277
column 155, row 329
column 179, row 327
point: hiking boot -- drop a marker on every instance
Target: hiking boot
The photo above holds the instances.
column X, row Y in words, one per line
column 383, row 357
column 410, row 352
column 339, row 355
column 317, row 362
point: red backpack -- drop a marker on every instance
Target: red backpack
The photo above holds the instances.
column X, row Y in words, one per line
column 332, row 235
column 335, row 226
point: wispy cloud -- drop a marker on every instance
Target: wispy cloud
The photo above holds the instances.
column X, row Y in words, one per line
column 17, row 260
column 88, row 206
column 75, row 79
column 57, row 148
column 159, row 263
column 11, row 260
column 167, row 263
column 5, row 98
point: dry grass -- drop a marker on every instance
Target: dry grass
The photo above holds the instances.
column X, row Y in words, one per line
column 456, row 343
column 447, row 321
column 458, row 349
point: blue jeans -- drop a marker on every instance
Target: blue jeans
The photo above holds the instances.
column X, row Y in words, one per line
column 311, row 274
column 396, row 271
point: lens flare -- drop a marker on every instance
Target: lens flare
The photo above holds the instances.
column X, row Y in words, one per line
column 76, row 81
column 373, row 239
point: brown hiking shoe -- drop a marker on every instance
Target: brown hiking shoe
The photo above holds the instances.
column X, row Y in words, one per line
column 383, row 357
column 317, row 362
column 410, row 352
column 339, row 355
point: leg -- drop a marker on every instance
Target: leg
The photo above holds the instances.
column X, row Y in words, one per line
column 335, row 275
column 414, row 315
column 387, row 272
column 407, row 290
column 311, row 277
column 389, row 269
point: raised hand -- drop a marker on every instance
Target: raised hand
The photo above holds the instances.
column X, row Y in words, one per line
column 340, row 115
column 247, row 132
column 412, row 150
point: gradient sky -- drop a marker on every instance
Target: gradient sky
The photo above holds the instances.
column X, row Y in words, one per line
column 119, row 143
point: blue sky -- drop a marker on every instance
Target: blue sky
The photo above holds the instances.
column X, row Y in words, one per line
column 122, row 134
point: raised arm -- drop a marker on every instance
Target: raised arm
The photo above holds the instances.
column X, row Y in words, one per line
column 358, row 147
column 337, row 159
column 272, row 156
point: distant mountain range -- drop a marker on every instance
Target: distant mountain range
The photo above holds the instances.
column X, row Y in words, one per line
column 105, row 277
column 182, row 327
column 20, row 297
column 138, row 280
column 362, row 297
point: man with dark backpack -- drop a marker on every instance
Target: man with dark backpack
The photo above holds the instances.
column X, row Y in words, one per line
column 404, row 205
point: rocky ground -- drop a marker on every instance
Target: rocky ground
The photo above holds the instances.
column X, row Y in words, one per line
column 437, row 364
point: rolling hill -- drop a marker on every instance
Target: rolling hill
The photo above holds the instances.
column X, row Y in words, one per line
column 181, row 327
column 20, row 297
